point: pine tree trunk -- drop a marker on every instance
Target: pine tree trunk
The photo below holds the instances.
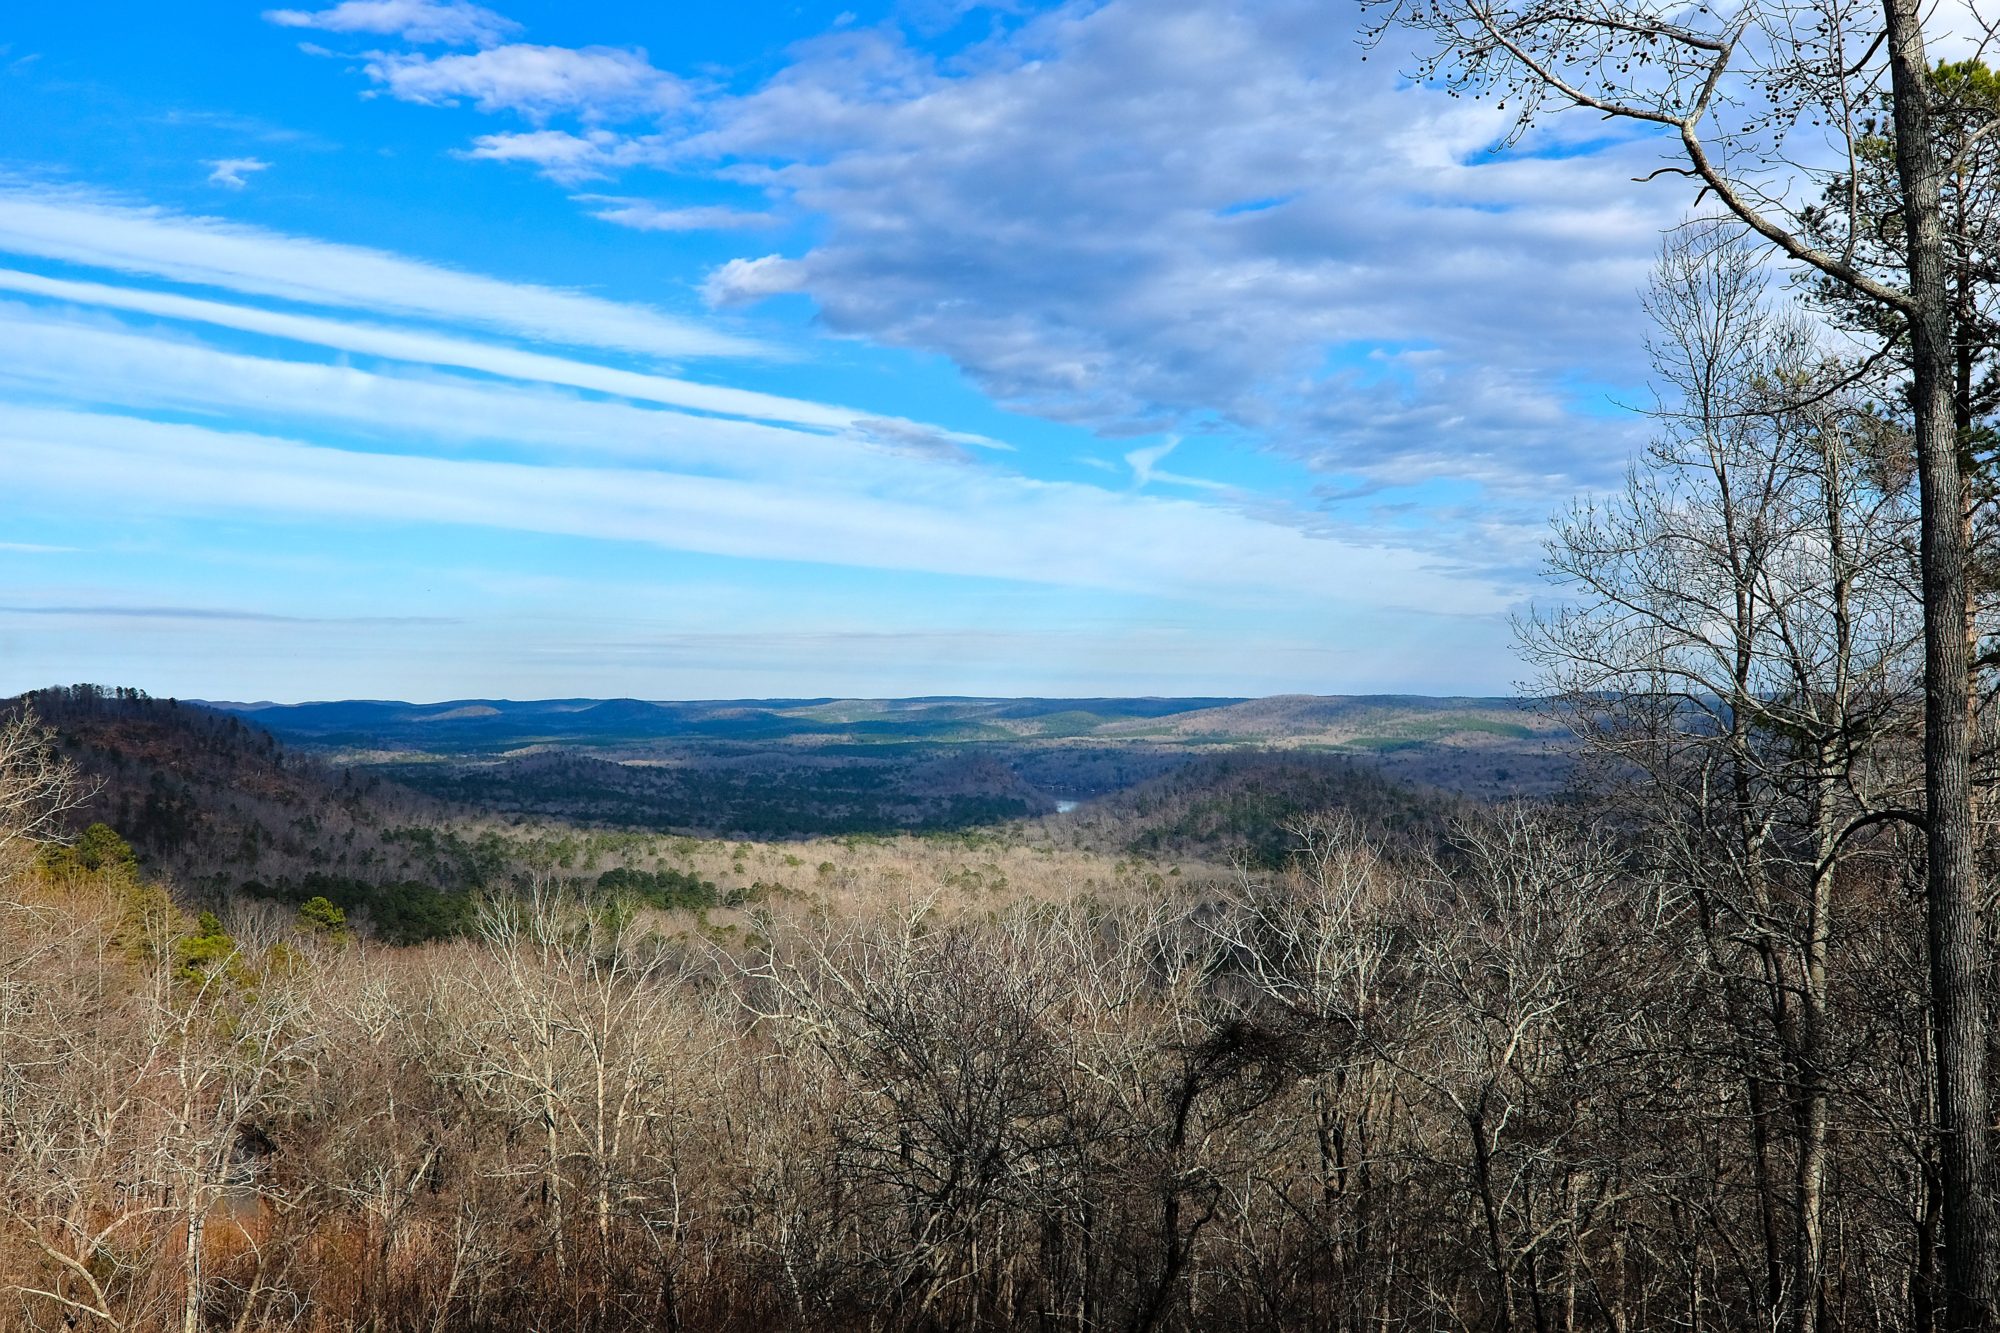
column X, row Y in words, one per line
column 1955, row 924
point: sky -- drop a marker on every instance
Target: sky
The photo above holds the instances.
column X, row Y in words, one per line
column 418, row 349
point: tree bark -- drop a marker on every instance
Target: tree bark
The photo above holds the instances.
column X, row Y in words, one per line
column 1489, row 1207
column 1955, row 919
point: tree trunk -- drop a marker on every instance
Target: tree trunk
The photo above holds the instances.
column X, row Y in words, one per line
column 1489, row 1207
column 194, row 1225
column 1924, row 1282
column 1809, row 1245
column 1955, row 924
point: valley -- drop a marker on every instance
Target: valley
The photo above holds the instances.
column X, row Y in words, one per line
column 404, row 815
column 790, row 768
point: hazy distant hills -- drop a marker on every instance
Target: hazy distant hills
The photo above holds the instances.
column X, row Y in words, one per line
column 1372, row 724
column 388, row 798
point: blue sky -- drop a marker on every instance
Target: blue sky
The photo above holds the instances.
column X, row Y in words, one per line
column 421, row 349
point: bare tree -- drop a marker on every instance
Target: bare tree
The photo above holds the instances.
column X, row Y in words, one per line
column 1741, row 655
column 37, row 787
column 1759, row 99
column 1319, row 944
column 1511, row 982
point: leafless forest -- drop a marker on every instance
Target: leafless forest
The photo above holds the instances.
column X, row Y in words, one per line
column 1533, row 1087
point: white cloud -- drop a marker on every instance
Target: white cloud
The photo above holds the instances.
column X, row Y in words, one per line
column 594, row 82
column 86, row 229
column 1144, row 216
column 89, row 361
column 743, row 281
column 565, row 158
column 642, row 215
column 1142, row 461
column 438, row 350
column 921, row 441
column 395, row 444
column 1196, row 215
column 886, row 495
column 452, row 22
column 953, row 521
column 234, row 172
column 600, row 86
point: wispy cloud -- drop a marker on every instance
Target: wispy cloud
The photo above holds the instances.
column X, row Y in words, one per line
column 1142, row 461
column 915, row 438
column 201, row 613
column 85, row 228
column 450, row 22
column 537, row 82
column 643, row 215
column 84, row 360
column 438, row 349
column 983, row 526
column 803, row 482
column 625, row 110
column 563, row 157
column 756, row 477
column 234, row 172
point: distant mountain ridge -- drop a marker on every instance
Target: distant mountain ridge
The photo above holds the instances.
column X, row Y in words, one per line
column 1366, row 723
column 1482, row 747
column 395, row 803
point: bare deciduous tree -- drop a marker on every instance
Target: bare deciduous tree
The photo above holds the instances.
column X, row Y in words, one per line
column 1766, row 104
column 38, row 788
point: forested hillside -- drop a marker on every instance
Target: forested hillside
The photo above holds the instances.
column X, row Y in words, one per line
column 1248, row 807
column 954, row 1082
column 221, row 809
column 742, row 791
column 205, row 796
